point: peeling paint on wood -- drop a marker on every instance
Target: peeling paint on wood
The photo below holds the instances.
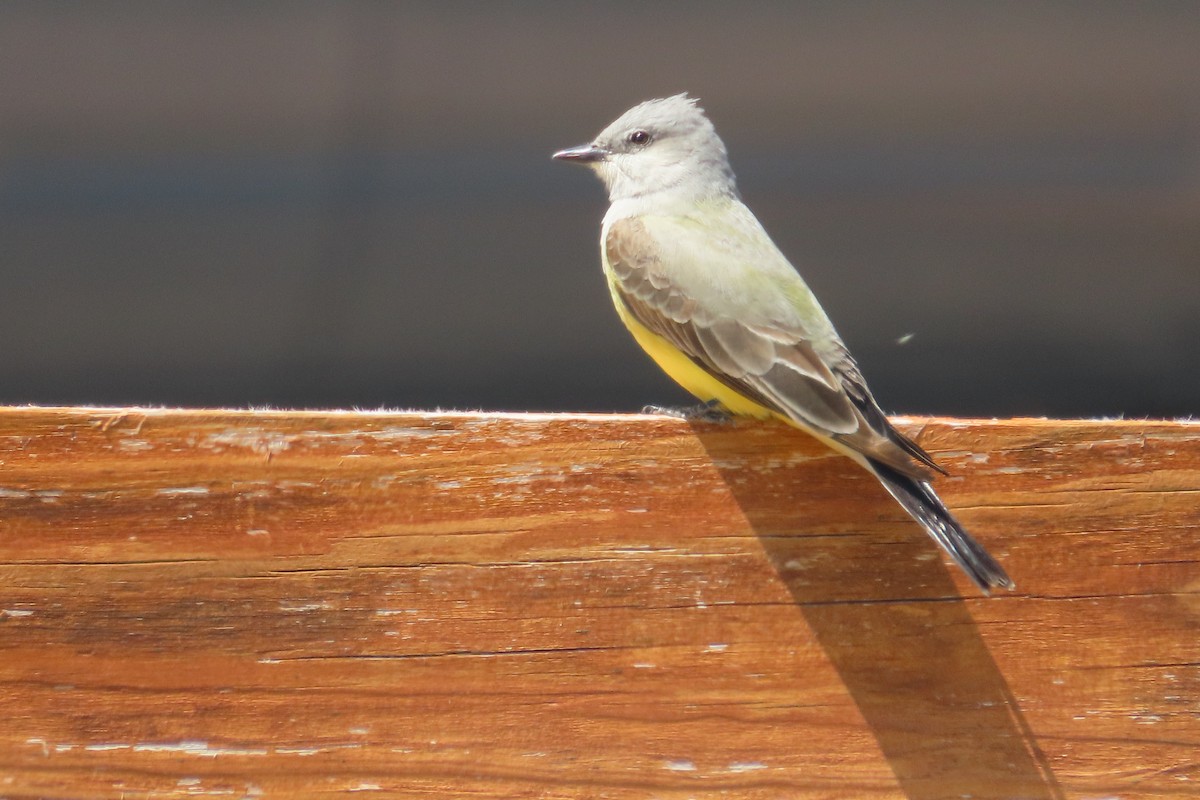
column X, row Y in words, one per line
column 257, row 603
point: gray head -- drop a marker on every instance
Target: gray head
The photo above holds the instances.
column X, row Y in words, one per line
column 665, row 145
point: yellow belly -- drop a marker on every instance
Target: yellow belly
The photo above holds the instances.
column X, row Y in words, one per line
column 687, row 374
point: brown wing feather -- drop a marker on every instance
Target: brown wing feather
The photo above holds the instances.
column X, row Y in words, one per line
column 776, row 367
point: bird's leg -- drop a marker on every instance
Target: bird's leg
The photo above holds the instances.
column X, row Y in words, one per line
column 710, row 411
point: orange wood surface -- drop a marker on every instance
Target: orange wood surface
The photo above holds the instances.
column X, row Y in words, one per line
column 266, row 604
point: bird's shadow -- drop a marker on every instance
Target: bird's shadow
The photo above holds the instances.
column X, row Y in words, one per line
column 885, row 611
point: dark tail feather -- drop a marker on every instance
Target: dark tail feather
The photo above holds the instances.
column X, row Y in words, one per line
column 920, row 501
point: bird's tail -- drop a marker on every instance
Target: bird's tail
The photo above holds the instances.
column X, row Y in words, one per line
column 923, row 504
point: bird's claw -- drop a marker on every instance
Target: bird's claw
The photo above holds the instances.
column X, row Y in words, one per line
column 705, row 412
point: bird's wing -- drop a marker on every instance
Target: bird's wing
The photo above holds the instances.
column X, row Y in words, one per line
column 751, row 338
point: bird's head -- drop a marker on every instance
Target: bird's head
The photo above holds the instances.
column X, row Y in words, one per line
column 664, row 145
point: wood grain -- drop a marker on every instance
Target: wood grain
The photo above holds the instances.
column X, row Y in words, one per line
column 244, row 603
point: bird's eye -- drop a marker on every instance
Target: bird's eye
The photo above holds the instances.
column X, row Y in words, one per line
column 638, row 137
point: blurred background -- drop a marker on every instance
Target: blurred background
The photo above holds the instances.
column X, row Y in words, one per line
column 352, row 204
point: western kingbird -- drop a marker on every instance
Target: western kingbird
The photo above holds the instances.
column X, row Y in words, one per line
column 714, row 302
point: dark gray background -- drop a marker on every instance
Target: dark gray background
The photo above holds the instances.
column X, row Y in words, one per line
column 352, row 204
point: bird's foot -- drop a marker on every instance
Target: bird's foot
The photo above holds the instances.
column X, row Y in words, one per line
column 705, row 412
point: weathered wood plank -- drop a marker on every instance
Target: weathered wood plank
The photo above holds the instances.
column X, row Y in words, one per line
column 558, row 606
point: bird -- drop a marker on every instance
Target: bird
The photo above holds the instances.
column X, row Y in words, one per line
column 709, row 296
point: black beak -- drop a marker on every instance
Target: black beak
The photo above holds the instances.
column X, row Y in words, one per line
column 584, row 154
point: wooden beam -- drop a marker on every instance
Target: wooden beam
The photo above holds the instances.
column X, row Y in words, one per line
column 448, row 605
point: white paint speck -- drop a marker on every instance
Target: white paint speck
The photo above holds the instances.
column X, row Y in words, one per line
column 196, row 747
column 717, row 647
column 300, row 606
column 181, row 491
column 256, row 440
column 521, row 481
column 680, row 765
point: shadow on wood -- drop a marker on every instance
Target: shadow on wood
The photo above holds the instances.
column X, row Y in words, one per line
column 882, row 606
